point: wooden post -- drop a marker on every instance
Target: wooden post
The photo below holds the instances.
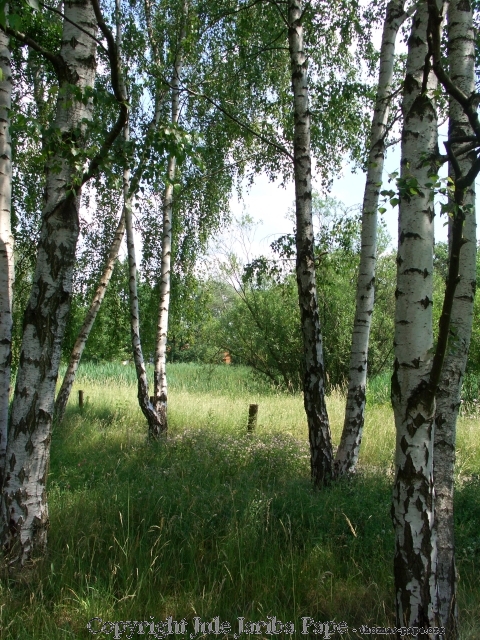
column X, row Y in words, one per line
column 252, row 417
column 80, row 398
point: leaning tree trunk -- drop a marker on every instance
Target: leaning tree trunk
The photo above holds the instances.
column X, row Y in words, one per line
column 413, row 404
column 6, row 246
column 461, row 57
column 160, row 375
column 348, row 450
column 321, row 454
column 81, row 341
column 24, row 493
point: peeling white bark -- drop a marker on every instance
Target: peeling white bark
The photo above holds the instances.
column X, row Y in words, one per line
column 6, row 245
column 321, row 453
column 461, row 57
column 81, row 341
column 28, row 451
column 347, row 453
column 160, row 376
column 413, row 495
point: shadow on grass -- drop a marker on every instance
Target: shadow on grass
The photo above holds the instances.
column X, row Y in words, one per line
column 211, row 524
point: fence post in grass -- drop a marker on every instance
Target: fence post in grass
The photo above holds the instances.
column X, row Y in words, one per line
column 80, row 398
column 252, row 417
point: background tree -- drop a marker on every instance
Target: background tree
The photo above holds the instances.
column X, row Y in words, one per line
column 160, row 375
column 6, row 246
column 255, row 315
column 455, row 324
column 347, row 453
column 461, row 57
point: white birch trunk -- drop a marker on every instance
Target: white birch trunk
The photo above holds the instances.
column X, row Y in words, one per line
column 6, row 245
column 321, row 453
column 461, row 57
column 413, row 404
column 28, row 451
column 81, row 341
column 154, row 424
column 348, row 450
column 160, row 376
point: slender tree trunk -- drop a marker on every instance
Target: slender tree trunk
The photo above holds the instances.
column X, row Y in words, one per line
column 321, row 453
column 413, row 404
column 6, row 246
column 154, row 423
column 148, row 409
column 24, row 492
column 347, row 453
column 81, row 341
column 461, row 56
column 160, row 376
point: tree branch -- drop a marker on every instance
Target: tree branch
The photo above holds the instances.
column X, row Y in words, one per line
column 119, row 91
column 469, row 178
column 284, row 19
column 241, row 124
column 230, row 13
column 53, row 58
column 114, row 59
column 468, row 103
column 453, row 159
column 77, row 26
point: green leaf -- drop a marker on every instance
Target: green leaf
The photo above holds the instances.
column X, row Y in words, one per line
column 381, row 209
column 394, row 202
column 15, row 21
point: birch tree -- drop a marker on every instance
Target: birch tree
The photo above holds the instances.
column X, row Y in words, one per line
column 6, row 246
column 413, row 404
column 348, row 450
column 331, row 60
column 154, row 423
column 463, row 166
column 314, row 376
column 45, row 317
column 160, row 375
column 24, row 504
column 147, row 407
column 461, row 57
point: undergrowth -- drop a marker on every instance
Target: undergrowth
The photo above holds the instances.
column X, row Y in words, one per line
column 215, row 522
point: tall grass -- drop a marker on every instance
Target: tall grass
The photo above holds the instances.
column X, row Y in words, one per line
column 200, row 378
column 214, row 522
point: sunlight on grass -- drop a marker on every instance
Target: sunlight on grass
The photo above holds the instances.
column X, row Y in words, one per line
column 215, row 522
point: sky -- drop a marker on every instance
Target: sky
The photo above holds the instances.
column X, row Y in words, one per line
column 268, row 204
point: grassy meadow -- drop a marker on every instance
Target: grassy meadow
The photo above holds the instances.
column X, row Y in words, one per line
column 216, row 522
